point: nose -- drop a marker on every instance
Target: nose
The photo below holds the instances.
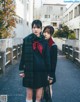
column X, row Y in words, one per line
column 45, row 34
column 36, row 28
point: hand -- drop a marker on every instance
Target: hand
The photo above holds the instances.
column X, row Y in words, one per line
column 22, row 75
column 50, row 81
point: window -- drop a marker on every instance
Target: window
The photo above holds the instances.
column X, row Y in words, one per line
column 27, row 23
column 54, row 24
column 66, row 18
column 47, row 16
column 78, row 9
column 61, row 8
column 77, row 33
column 16, row 20
column 70, row 15
column 19, row 20
column 75, row 11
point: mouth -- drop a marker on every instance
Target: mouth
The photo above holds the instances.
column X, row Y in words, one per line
column 45, row 37
column 36, row 32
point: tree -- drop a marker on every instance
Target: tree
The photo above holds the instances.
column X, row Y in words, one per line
column 58, row 33
column 7, row 18
column 65, row 32
column 72, row 35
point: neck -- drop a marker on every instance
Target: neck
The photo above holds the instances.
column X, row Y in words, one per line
column 38, row 35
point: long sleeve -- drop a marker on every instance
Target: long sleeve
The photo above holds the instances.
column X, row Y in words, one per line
column 47, row 59
column 21, row 65
column 53, row 57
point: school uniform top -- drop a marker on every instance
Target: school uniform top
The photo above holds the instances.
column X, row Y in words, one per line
column 35, row 61
column 53, row 58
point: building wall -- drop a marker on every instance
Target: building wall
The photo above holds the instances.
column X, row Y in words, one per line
column 52, row 14
column 24, row 12
column 71, row 18
column 37, row 9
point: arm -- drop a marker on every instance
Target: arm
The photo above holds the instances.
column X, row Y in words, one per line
column 21, row 65
column 53, row 57
column 47, row 59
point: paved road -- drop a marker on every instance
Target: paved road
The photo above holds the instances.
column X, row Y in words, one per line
column 66, row 89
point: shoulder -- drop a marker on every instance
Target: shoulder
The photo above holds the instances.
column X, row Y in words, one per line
column 28, row 37
column 54, row 44
column 44, row 40
column 53, row 47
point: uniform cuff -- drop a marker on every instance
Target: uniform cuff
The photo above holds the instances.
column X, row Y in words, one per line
column 21, row 71
column 50, row 78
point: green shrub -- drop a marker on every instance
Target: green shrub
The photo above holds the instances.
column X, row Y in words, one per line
column 72, row 36
column 60, row 33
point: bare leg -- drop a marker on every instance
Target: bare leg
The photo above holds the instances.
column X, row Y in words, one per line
column 29, row 94
column 39, row 94
column 51, row 90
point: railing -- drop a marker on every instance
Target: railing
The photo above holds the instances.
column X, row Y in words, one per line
column 71, row 48
column 71, row 52
column 10, row 50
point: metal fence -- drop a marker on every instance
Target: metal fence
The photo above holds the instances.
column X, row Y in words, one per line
column 10, row 50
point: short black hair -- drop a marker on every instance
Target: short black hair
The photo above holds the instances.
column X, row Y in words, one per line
column 49, row 29
column 38, row 23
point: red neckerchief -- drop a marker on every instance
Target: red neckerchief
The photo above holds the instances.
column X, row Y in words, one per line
column 37, row 45
column 50, row 42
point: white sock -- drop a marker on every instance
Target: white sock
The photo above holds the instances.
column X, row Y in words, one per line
column 28, row 100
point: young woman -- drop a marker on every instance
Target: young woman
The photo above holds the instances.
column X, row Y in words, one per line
column 48, row 32
column 35, row 62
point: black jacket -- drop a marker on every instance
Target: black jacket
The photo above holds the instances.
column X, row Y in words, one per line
column 53, row 57
column 36, row 66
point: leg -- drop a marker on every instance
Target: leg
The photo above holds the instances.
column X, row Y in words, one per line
column 29, row 94
column 39, row 94
column 51, row 90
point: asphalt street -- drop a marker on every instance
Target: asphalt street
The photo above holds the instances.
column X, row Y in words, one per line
column 66, row 88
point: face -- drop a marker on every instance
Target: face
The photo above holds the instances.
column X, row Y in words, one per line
column 36, row 30
column 46, row 35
